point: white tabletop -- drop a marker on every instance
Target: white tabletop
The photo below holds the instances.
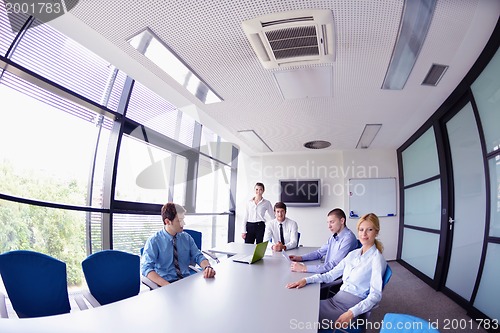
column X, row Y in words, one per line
column 234, row 248
column 242, row 298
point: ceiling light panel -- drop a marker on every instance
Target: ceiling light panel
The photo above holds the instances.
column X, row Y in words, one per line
column 254, row 140
column 147, row 43
column 417, row 17
column 369, row 133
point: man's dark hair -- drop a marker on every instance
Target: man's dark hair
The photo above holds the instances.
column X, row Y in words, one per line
column 280, row 204
column 338, row 213
column 170, row 210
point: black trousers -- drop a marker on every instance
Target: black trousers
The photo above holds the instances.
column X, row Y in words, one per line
column 255, row 232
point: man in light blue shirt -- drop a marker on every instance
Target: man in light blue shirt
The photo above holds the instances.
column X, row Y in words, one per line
column 168, row 253
column 338, row 246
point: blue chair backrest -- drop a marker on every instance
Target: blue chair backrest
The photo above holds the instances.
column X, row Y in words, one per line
column 387, row 276
column 196, row 236
column 405, row 323
column 35, row 282
column 112, row 275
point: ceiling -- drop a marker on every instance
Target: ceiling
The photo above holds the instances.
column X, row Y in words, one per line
column 208, row 36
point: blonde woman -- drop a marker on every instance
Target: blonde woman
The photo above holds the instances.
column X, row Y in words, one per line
column 361, row 270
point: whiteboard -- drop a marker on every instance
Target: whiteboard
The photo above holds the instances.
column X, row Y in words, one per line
column 372, row 195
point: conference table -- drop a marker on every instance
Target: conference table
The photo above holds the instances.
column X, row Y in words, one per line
column 241, row 298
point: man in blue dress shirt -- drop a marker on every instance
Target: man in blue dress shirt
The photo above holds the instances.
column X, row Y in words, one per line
column 338, row 246
column 168, row 253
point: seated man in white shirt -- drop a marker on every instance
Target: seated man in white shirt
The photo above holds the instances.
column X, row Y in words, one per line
column 282, row 230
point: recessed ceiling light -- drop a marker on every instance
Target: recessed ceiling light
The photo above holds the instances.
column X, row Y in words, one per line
column 254, row 140
column 368, row 135
column 317, row 144
column 415, row 23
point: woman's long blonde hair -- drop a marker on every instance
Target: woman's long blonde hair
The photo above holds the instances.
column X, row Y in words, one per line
column 370, row 217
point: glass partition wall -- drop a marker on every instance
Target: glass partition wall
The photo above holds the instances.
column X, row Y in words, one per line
column 450, row 171
column 88, row 155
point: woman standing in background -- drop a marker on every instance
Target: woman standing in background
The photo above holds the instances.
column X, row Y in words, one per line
column 255, row 223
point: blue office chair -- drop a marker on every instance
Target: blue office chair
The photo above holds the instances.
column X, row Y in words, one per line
column 47, row 296
column 196, row 236
column 405, row 323
column 387, row 276
column 111, row 276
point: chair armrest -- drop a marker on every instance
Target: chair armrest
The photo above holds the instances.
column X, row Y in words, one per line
column 211, row 256
column 3, row 306
column 145, row 280
column 196, row 269
column 80, row 302
column 91, row 299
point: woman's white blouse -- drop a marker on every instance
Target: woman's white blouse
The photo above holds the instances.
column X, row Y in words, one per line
column 361, row 276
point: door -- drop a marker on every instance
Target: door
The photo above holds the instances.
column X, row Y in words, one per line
column 466, row 222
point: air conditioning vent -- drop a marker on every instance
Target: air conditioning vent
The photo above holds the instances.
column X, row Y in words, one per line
column 434, row 75
column 292, row 38
column 287, row 20
column 293, row 42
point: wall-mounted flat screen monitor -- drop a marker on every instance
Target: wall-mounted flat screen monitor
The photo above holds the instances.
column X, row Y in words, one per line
column 300, row 192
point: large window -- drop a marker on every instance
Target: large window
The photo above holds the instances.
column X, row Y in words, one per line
column 79, row 172
column 156, row 113
column 57, row 232
column 46, row 153
column 148, row 174
column 57, row 56
column 130, row 231
column 213, row 182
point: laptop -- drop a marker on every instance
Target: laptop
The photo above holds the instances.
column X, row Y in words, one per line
column 258, row 253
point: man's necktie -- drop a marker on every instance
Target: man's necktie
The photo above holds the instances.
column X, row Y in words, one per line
column 282, row 238
column 176, row 258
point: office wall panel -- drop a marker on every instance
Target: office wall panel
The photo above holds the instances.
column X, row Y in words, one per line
column 486, row 90
column 420, row 249
column 423, row 205
column 488, row 294
column 420, row 160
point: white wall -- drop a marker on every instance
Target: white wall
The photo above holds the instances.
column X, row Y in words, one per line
column 377, row 164
column 334, row 169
